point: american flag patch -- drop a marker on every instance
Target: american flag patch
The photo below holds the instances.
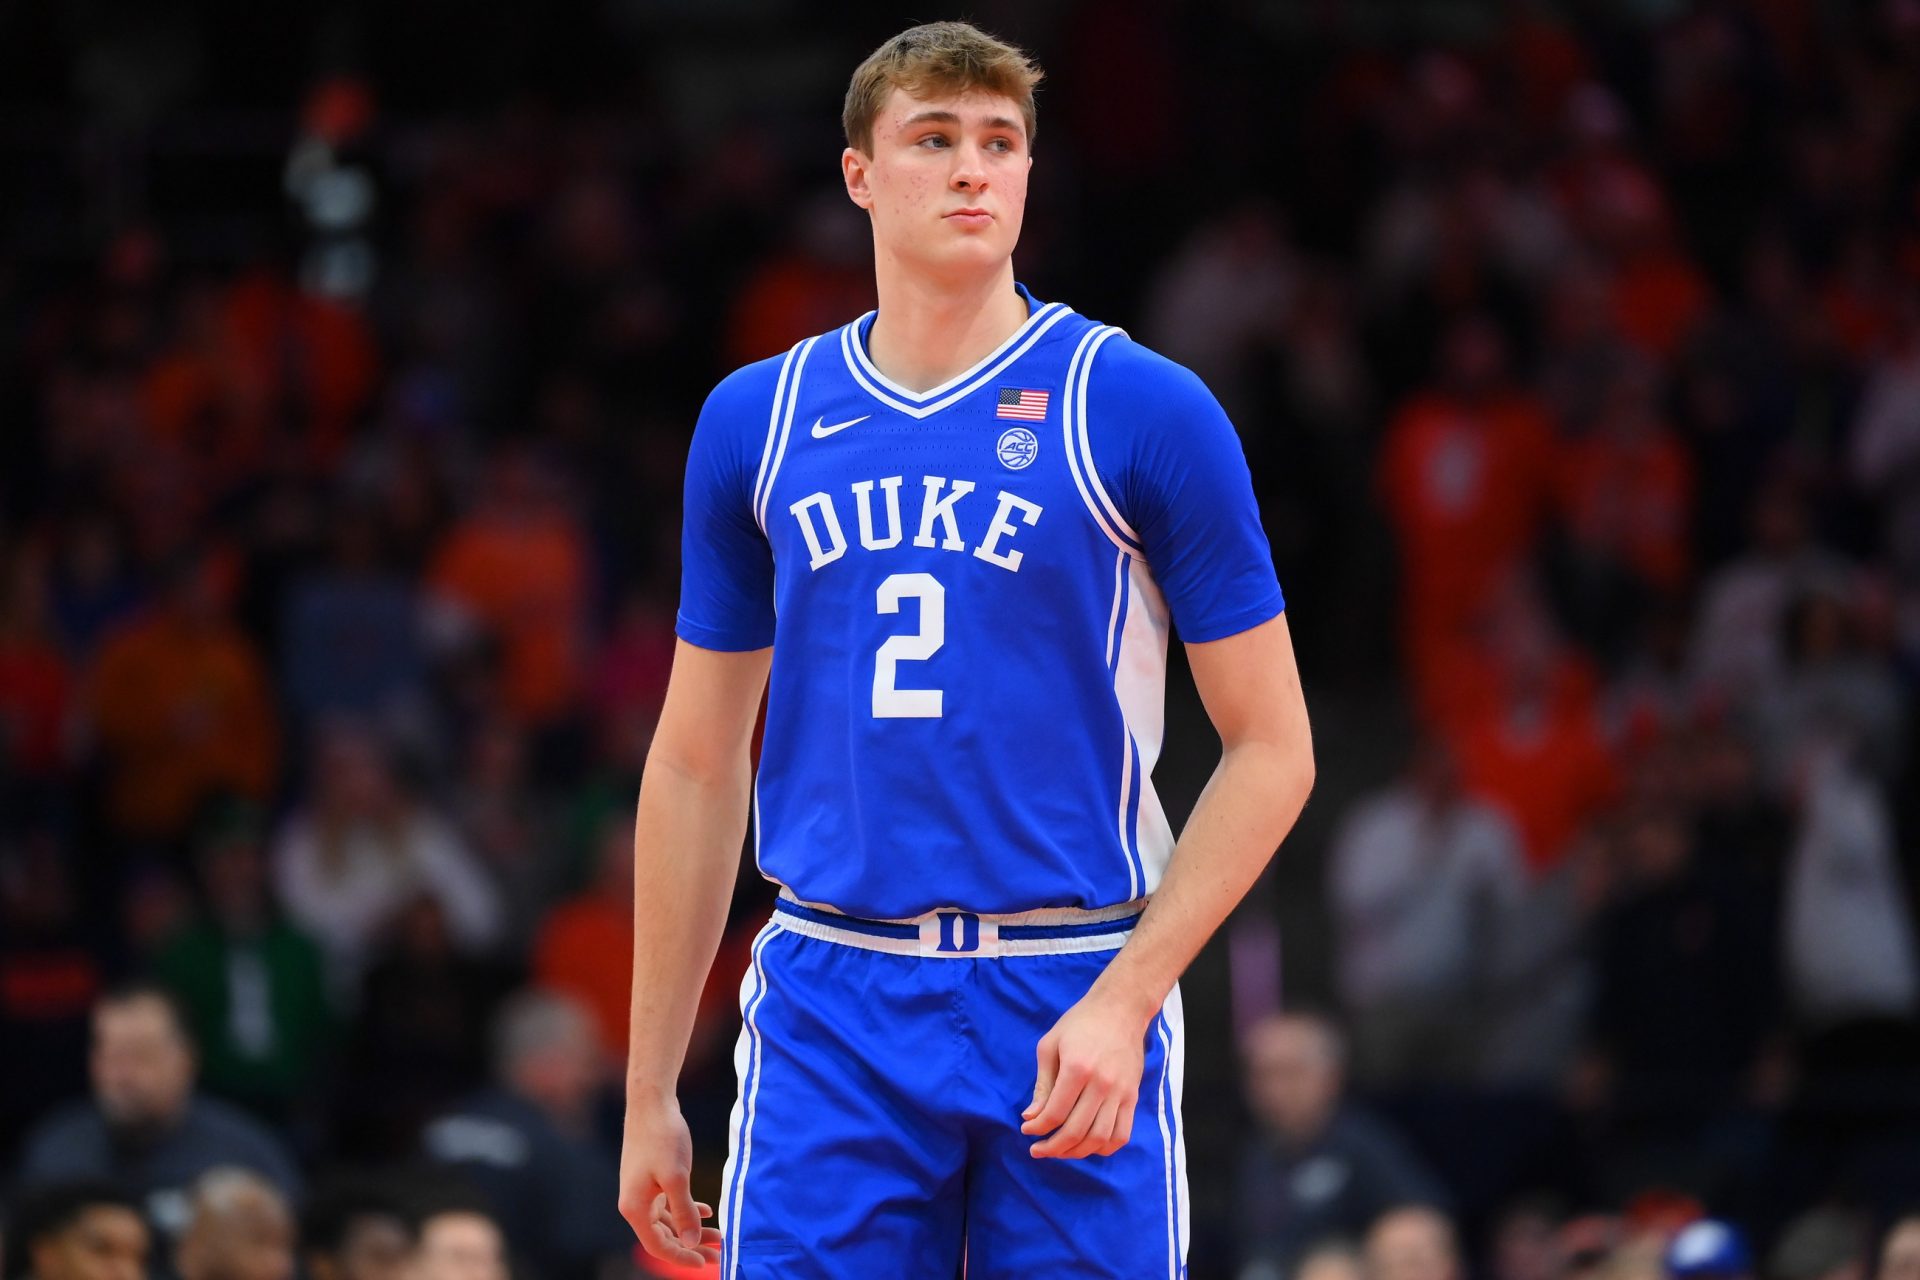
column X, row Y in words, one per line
column 1018, row 402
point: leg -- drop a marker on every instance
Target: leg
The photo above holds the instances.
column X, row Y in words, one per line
column 1124, row 1215
column 839, row 1166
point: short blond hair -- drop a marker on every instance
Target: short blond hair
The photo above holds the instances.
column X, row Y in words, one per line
column 938, row 58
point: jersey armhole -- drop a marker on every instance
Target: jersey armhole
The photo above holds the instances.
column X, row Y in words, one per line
column 1079, row 447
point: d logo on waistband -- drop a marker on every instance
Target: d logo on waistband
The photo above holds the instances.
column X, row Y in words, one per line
column 959, row 932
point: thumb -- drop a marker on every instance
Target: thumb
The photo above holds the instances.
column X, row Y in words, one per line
column 1049, row 1066
column 681, row 1211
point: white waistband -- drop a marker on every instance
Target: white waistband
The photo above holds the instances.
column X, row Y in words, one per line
column 953, row 934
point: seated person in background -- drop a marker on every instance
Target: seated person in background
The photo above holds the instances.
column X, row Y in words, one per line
column 1316, row 1166
column 77, row 1231
column 459, row 1242
column 1412, row 1242
column 355, row 1232
column 241, row 1229
column 145, row 1126
column 527, row 1141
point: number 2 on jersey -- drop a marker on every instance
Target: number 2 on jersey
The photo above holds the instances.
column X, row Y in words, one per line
column 917, row 646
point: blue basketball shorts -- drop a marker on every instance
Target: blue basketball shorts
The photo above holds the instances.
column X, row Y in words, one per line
column 883, row 1067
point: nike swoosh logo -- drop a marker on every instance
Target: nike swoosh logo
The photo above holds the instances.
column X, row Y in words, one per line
column 821, row 433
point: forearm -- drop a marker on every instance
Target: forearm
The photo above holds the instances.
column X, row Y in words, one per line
column 687, row 838
column 1246, row 810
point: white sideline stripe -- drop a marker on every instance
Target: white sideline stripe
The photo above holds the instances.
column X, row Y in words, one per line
column 1166, row 1147
column 773, row 429
column 736, row 1186
column 870, row 378
column 786, row 429
column 1113, row 619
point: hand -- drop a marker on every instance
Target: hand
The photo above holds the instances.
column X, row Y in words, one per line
column 656, row 1159
column 1089, row 1079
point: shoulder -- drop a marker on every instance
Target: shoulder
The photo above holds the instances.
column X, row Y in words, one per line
column 749, row 390
column 1127, row 370
column 62, row 1136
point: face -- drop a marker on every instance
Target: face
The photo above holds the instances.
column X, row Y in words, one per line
column 142, row 1069
column 1900, row 1258
column 460, row 1246
column 1293, row 1080
column 250, row 1241
column 946, row 184
column 107, row 1242
column 375, row 1249
column 1413, row 1244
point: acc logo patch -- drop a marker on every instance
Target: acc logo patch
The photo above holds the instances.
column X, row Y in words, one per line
column 1017, row 448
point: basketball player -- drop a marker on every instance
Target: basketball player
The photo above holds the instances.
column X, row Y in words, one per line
column 956, row 532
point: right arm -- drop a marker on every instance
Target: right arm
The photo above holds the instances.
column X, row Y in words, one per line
column 688, row 833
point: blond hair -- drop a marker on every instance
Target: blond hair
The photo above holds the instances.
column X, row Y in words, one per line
column 937, row 59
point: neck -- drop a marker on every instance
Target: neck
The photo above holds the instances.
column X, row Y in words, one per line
column 927, row 331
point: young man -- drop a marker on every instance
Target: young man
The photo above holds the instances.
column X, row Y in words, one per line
column 956, row 532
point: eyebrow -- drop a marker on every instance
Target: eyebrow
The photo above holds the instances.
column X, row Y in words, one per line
column 948, row 117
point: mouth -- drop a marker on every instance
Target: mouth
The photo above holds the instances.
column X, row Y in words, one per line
column 969, row 213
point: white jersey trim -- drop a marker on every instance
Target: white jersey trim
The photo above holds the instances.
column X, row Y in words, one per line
column 791, row 394
column 1079, row 458
column 924, row 404
column 773, row 431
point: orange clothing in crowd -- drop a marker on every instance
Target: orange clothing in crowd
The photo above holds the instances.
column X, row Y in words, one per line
column 1631, row 501
column 585, row 949
column 1550, row 775
column 184, row 712
column 526, row 581
column 1466, row 488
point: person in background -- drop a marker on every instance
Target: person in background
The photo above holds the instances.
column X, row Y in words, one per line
column 355, row 1231
column 1422, row 876
column 241, row 1229
column 1316, row 1166
column 1412, row 1242
column 182, row 706
column 527, row 1142
column 79, row 1230
column 1709, row 1249
column 145, row 1126
column 253, row 985
column 459, row 1242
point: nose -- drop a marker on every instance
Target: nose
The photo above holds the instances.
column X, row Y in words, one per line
column 969, row 171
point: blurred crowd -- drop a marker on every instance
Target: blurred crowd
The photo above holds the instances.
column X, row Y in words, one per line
column 1575, row 349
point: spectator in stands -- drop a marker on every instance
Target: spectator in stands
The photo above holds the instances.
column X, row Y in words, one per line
column 1830, row 686
column 459, row 1243
column 350, row 861
column 355, row 1231
column 1412, row 1242
column 145, row 1126
column 253, row 986
column 241, row 1229
column 528, row 1141
column 1316, row 1166
column 1423, row 876
column 517, row 568
column 183, row 708
column 82, row 1230
column 1824, row 1243
column 581, row 940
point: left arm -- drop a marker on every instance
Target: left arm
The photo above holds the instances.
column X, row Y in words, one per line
column 1091, row 1062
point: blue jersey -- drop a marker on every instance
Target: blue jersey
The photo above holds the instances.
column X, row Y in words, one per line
column 968, row 592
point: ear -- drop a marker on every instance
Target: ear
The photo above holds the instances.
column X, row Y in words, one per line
column 853, row 170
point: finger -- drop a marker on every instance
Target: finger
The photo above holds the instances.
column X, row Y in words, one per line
column 1099, row 1139
column 662, row 1242
column 1123, row 1123
column 1049, row 1063
column 1074, row 1128
column 1061, row 1097
column 662, row 1216
column 686, row 1220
